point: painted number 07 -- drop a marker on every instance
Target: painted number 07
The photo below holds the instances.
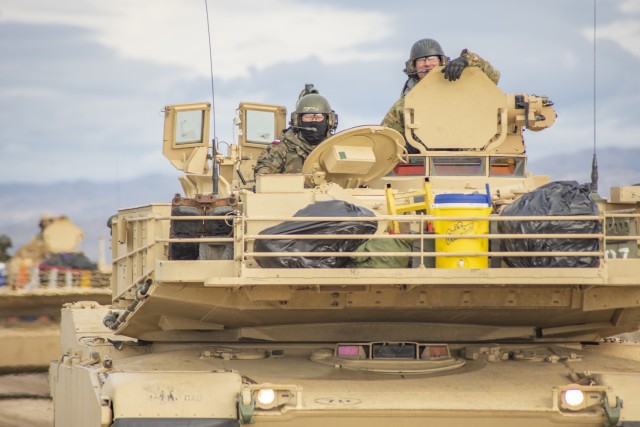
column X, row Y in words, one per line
column 612, row 254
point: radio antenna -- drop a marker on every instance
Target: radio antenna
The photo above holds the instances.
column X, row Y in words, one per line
column 213, row 92
column 214, row 141
column 594, row 162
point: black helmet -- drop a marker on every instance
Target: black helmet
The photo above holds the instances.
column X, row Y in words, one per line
column 423, row 48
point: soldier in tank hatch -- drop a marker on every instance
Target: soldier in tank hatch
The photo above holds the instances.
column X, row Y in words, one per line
column 312, row 122
column 425, row 55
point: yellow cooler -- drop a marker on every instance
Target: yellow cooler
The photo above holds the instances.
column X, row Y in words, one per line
column 462, row 205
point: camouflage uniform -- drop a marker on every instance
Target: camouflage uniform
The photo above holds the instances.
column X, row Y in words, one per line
column 287, row 156
column 395, row 116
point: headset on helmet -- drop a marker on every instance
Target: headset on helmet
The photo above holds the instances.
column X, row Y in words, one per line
column 310, row 101
column 423, row 48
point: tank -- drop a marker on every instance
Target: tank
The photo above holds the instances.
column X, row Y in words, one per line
column 41, row 276
column 373, row 288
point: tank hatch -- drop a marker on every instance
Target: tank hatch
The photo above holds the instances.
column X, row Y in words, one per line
column 354, row 157
column 471, row 114
column 62, row 236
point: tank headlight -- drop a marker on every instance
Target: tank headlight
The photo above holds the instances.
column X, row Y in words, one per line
column 266, row 396
column 573, row 397
column 269, row 396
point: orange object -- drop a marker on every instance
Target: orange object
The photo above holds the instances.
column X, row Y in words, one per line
column 23, row 274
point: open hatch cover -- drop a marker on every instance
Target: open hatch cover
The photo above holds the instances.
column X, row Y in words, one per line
column 354, row 157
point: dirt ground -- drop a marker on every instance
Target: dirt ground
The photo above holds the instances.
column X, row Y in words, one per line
column 24, row 401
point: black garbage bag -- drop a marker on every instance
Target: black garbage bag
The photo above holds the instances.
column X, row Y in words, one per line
column 330, row 208
column 76, row 261
column 560, row 198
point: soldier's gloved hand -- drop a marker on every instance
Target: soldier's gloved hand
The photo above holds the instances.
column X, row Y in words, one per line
column 453, row 70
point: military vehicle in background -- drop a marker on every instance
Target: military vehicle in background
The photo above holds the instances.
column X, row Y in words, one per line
column 40, row 277
column 374, row 288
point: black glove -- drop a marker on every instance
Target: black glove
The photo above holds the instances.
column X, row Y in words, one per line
column 453, row 70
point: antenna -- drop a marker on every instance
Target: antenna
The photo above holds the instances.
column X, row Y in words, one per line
column 594, row 162
column 214, row 141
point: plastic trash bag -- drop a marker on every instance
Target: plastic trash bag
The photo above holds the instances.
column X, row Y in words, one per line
column 330, row 208
column 561, row 198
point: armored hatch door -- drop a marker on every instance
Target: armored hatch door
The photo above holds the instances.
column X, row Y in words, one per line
column 460, row 115
column 354, row 157
column 258, row 126
column 186, row 145
column 63, row 236
column 186, row 136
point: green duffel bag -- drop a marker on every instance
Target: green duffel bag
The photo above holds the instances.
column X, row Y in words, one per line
column 382, row 245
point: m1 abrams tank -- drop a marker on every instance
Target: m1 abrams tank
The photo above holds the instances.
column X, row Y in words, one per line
column 44, row 274
column 423, row 309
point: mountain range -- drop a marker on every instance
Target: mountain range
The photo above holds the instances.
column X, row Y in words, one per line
column 616, row 167
column 90, row 204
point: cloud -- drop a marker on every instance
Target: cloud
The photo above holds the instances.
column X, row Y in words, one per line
column 246, row 34
column 569, row 60
column 623, row 31
column 84, row 81
column 630, row 6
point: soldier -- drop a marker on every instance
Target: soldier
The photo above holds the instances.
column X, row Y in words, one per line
column 425, row 55
column 312, row 122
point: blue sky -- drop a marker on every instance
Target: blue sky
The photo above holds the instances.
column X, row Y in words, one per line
column 83, row 82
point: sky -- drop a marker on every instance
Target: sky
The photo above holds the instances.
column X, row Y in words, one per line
column 83, row 82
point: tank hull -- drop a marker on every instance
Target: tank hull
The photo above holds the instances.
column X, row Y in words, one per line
column 161, row 383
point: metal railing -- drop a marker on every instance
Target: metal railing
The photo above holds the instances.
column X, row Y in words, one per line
column 418, row 222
